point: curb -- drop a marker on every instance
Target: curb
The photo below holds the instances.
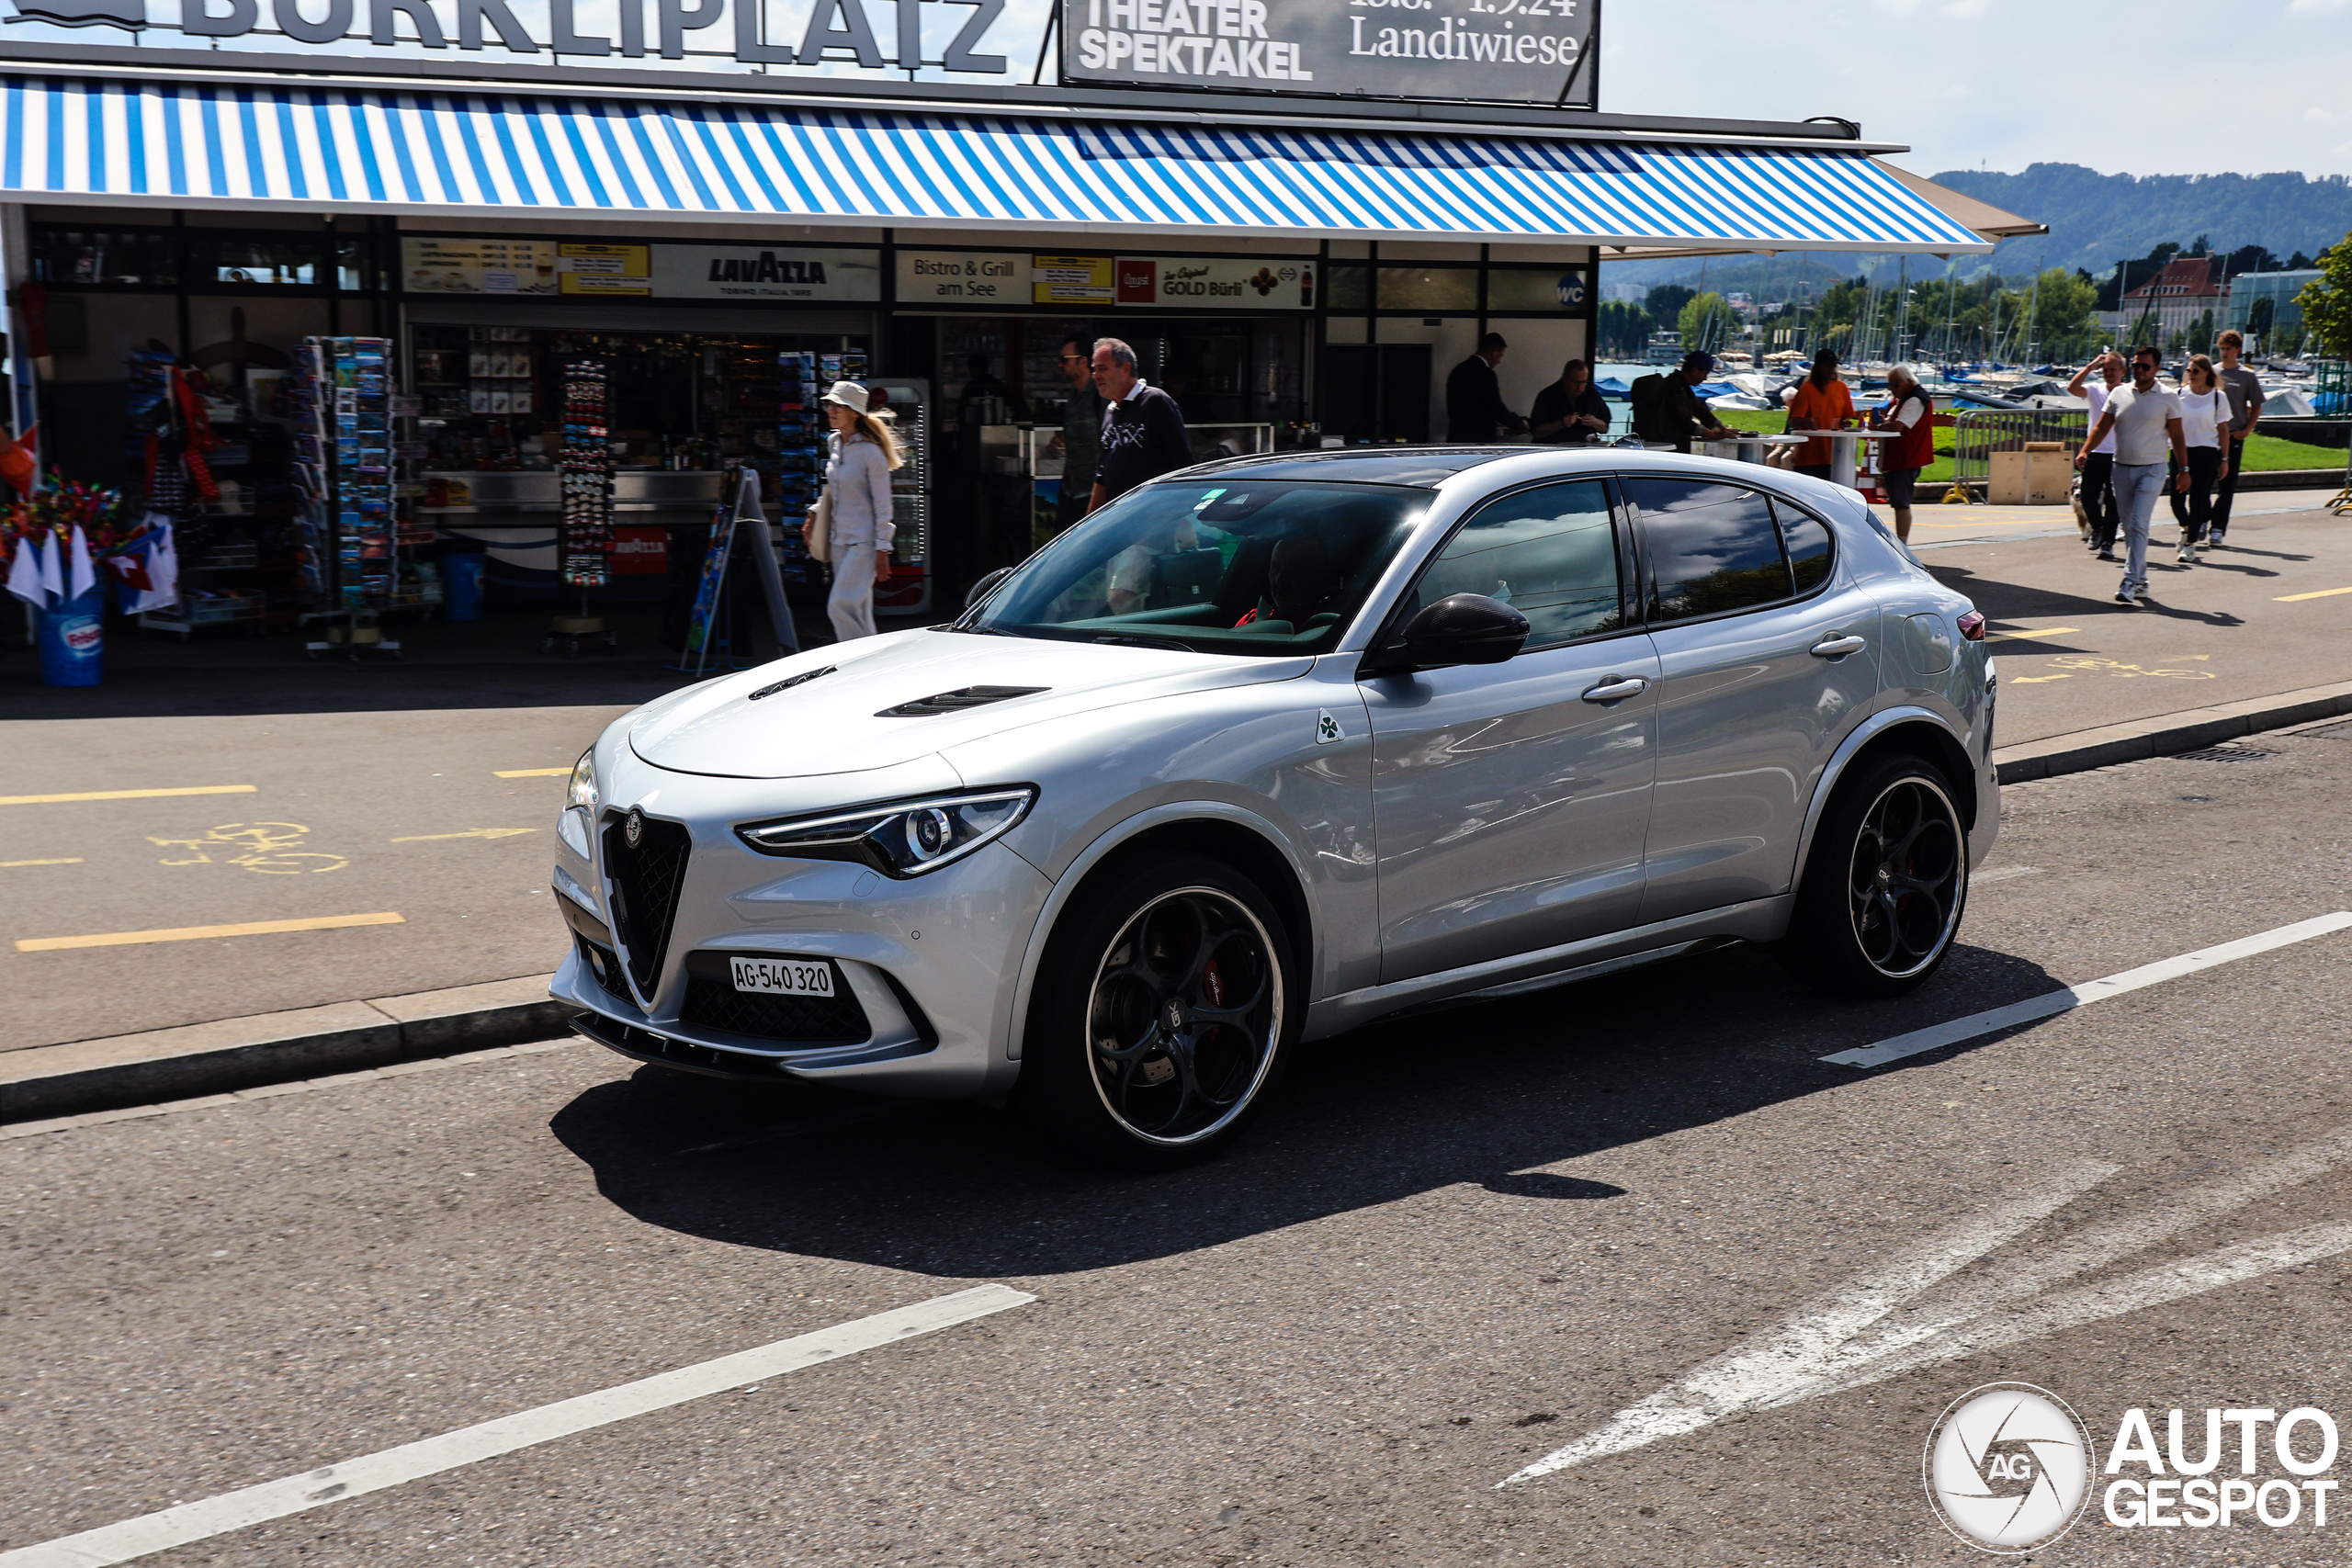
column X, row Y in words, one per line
column 2160, row 737
column 44, row 1081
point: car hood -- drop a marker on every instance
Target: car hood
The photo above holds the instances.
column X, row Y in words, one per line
column 833, row 723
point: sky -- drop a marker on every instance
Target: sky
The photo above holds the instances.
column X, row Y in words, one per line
column 2243, row 87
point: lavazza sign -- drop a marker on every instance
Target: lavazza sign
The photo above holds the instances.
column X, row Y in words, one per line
column 1532, row 52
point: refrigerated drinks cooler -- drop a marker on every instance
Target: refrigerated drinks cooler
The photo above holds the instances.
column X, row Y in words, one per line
column 909, row 591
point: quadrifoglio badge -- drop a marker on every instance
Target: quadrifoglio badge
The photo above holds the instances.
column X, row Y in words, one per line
column 2009, row 1467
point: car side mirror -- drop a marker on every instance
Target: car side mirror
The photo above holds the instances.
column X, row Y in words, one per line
column 1461, row 628
column 986, row 586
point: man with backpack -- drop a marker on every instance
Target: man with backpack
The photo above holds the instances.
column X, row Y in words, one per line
column 1667, row 412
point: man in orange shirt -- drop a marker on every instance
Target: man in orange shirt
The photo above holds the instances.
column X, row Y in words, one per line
column 1821, row 403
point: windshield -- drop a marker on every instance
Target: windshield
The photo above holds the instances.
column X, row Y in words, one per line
column 1217, row 566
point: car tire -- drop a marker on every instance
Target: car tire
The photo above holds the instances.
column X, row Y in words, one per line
column 1167, row 1005
column 1881, row 899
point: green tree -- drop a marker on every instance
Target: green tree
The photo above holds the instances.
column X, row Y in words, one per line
column 2328, row 301
column 1625, row 329
column 2258, row 318
column 1666, row 302
column 2200, row 334
column 1708, row 321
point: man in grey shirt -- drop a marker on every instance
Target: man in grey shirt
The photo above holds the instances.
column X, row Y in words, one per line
column 2243, row 388
column 2144, row 417
column 1082, row 431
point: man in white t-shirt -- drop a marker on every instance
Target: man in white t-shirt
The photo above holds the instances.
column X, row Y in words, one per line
column 2092, row 383
column 2144, row 418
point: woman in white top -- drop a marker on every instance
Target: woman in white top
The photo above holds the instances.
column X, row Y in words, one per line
column 859, row 531
column 2205, row 426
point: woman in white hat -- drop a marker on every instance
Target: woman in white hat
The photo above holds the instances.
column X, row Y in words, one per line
column 859, row 457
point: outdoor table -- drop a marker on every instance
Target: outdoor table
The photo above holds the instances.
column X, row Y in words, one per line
column 1842, row 450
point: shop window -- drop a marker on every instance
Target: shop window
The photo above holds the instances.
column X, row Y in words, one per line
column 1428, row 289
column 356, row 271
column 1551, row 290
column 1351, row 287
column 74, row 257
column 241, row 261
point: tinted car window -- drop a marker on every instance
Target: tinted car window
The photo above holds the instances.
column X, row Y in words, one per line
column 1808, row 541
column 1226, row 564
column 1550, row 553
column 1710, row 547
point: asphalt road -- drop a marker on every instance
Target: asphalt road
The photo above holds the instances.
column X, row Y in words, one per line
column 1459, row 1243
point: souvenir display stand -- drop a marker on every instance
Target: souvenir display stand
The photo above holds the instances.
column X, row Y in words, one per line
column 347, row 479
column 584, row 545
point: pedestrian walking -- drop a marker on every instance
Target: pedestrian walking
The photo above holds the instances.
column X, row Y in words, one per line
column 1822, row 402
column 2144, row 418
column 1910, row 414
column 2205, row 425
column 2243, row 388
column 859, row 531
column 1473, row 396
column 1570, row 410
column 2093, row 383
column 1082, row 433
column 1143, row 431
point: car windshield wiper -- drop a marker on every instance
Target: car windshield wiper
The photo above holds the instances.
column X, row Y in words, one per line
column 1144, row 639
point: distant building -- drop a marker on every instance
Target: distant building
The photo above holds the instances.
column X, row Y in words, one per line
column 2280, row 289
column 2173, row 300
column 1625, row 293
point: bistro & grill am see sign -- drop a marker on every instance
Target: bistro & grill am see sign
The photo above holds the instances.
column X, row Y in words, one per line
column 1483, row 50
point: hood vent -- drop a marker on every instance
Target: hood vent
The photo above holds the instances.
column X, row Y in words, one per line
column 788, row 683
column 958, row 700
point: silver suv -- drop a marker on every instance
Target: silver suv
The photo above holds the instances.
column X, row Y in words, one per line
column 1274, row 746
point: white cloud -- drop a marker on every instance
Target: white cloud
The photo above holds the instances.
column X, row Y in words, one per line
column 2060, row 98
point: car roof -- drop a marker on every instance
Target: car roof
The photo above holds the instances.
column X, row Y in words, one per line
column 1425, row 465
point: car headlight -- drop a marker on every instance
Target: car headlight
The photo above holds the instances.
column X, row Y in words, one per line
column 582, row 791
column 900, row 838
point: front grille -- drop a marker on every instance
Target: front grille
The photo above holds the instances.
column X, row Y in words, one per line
column 713, row 1002
column 645, row 882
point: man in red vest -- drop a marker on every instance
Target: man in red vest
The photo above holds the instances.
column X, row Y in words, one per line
column 1911, row 416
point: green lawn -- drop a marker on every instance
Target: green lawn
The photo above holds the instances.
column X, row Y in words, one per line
column 2263, row 452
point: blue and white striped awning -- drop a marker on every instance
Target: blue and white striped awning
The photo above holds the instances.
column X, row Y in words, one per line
column 350, row 150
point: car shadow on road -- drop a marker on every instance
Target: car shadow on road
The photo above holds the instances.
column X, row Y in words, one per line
column 1489, row 1094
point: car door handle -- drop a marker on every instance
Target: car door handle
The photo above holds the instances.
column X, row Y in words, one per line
column 1835, row 647
column 1617, row 689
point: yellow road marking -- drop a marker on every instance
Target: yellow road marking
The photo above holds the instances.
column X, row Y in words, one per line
column 197, row 933
column 76, row 861
column 2038, row 680
column 2046, row 631
column 128, row 793
column 476, row 833
column 2323, row 594
column 533, row 774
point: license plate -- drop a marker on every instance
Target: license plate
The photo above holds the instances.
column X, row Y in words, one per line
column 783, row 976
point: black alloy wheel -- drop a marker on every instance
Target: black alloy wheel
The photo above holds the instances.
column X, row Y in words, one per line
column 1150, row 1048
column 1886, row 885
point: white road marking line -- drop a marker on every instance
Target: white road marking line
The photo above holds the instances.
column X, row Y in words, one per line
column 469, row 1445
column 2002, row 874
column 1938, row 1036
column 2077, row 1255
column 1791, row 1356
column 1837, row 1343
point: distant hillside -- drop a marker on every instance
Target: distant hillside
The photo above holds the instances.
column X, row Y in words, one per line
column 2094, row 220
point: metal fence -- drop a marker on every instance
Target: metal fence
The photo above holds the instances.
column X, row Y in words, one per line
column 1977, row 433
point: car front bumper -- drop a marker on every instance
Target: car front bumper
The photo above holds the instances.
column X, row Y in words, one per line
column 925, row 969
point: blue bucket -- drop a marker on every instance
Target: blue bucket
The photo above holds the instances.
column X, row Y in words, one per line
column 461, row 586
column 72, row 640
